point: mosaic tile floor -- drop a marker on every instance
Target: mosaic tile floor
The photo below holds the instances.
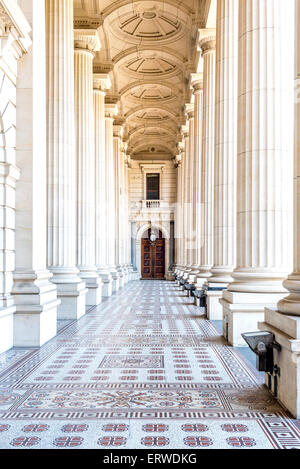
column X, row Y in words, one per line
column 144, row 369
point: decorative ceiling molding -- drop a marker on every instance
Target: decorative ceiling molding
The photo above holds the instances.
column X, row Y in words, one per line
column 149, row 50
column 87, row 39
column 179, row 4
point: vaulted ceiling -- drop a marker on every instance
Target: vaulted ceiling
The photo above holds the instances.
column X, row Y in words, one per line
column 149, row 49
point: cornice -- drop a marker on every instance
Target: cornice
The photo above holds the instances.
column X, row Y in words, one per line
column 14, row 29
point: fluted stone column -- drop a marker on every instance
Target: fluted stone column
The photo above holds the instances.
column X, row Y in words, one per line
column 185, row 211
column 178, row 224
column 208, row 46
column 284, row 321
column 86, row 42
column 34, row 294
column 225, row 156
column 180, row 267
column 264, row 167
column 110, row 113
column 71, row 289
column 127, row 224
column 197, row 83
column 101, row 85
column 189, row 109
column 118, row 134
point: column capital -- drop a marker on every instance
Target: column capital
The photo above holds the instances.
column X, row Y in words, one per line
column 14, row 28
column 178, row 160
column 207, row 40
column 190, row 110
column 185, row 130
column 111, row 110
column 87, row 39
column 118, row 130
column 101, row 82
column 197, row 82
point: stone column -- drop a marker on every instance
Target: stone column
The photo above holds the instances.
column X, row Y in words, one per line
column 101, row 85
column 181, row 206
column 71, row 289
column 189, row 109
column 35, row 296
column 197, row 83
column 86, row 42
column 178, row 227
column 225, row 156
column 14, row 43
column 208, row 46
column 185, row 213
column 264, row 167
column 118, row 134
column 284, row 321
column 110, row 113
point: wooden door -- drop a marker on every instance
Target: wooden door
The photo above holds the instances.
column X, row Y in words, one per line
column 153, row 259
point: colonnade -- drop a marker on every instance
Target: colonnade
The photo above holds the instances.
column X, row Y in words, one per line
column 65, row 180
column 246, row 181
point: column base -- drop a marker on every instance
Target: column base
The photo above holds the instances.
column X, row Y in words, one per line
column 243, row 311
column 126, row 279
column 6, row 328
column 73, row 301
column 115, row 281
column 285, row 384
column 93, row 284
column 35, row 319
column 213, row 307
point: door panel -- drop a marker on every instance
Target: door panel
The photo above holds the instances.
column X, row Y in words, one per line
column 153, row 259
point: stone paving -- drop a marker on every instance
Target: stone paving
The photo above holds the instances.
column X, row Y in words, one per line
column 145, row 369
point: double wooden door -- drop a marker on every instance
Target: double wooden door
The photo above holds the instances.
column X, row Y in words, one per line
column 153, row 259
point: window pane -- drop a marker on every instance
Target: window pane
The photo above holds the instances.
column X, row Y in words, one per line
column 153, row 187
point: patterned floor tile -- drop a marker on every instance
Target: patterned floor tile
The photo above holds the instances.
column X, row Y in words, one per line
column 145, row 369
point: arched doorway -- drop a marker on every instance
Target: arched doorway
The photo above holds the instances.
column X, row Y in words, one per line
column 153, row 256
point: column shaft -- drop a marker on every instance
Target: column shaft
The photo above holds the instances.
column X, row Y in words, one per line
column 35, row 296
column 291, row 304
column 110, row 112
column 86, row 165
column 225, row 155
column 197, row 83
column 101, row 84
column 207, row 45
column 62, row 159
column 264, row 166
column 118, row 133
